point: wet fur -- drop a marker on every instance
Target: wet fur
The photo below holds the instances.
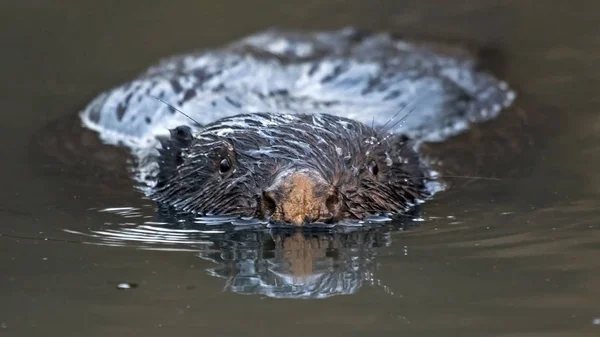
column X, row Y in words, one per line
column 259, row 146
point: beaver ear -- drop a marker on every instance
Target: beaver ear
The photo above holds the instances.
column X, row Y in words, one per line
column 181, row 136
column 170, row 152
column 404, row 153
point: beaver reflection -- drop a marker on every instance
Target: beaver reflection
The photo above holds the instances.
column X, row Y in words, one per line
column 297, row 264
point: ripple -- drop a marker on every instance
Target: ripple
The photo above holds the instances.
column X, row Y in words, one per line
column 163, row 228
column 256, row 257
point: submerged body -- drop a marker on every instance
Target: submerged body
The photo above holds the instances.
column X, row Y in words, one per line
column 295, row 127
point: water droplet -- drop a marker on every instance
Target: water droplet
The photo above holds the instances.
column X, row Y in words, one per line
column 126, row 286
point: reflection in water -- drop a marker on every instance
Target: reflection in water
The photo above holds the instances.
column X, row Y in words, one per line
column 262, row 259
column 297, row 265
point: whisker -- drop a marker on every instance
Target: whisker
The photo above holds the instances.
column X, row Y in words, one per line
column 382, row 128
column 414, row 102
column 174, row 108
column 456, row 176
column 394, row 125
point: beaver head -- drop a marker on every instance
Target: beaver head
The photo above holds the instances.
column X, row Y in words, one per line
column 289, row 168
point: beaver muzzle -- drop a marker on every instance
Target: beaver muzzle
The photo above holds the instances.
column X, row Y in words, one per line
column 300, row 197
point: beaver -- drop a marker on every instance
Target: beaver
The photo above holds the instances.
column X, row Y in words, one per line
column 297, row 127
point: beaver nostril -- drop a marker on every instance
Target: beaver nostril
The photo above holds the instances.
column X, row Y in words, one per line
column 269, row 205
column 332, row 203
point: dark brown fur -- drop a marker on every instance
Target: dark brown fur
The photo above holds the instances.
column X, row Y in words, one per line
column 290, row 168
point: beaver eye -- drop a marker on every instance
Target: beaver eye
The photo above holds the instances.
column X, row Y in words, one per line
column 373, row 168
column 224, row 165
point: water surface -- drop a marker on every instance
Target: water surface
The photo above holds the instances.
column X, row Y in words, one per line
column 514, row 257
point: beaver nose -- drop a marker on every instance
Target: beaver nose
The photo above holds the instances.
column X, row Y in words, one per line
column 300, row 197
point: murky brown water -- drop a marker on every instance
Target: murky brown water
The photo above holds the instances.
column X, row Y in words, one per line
column 516, row 257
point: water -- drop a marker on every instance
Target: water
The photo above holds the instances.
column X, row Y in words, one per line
column 515, row 257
